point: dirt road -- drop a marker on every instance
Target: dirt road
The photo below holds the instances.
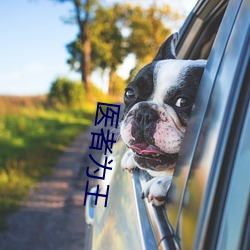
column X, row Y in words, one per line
column 53, row 218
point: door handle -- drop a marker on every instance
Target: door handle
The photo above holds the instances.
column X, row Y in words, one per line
column 90, row 207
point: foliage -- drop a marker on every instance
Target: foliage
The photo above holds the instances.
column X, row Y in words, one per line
column 74, row 49
column 107, row 34
column 99, row 96
column 108, row 48
column 65, row 92
column 119, row 30
column 147, row 30
column 117, row 85
column 31, row 138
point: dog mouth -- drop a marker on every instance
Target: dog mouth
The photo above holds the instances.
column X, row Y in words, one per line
column 149, row 152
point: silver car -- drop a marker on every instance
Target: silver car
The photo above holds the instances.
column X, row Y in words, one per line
column 211, row 186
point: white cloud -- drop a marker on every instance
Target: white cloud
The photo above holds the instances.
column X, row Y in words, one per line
column 20, row 74
column 26, row 79
column 34, row 68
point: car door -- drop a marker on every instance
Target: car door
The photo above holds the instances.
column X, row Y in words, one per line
column 207, row 183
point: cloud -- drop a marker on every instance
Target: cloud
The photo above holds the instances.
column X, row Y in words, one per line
column 20, row 74
column 22, row 80
column 33, row 78
column 34, row 67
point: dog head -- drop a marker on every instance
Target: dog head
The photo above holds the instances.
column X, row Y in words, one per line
column 158, row 102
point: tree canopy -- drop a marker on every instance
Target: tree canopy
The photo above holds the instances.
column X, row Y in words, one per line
column 108, row 34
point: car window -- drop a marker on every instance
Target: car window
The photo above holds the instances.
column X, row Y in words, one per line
column 198, row 33
column 208, row 130
column 236, row 208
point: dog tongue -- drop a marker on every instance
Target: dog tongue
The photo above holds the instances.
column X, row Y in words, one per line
column 145, row 149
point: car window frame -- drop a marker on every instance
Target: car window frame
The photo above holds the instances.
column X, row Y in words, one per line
column 210, row 74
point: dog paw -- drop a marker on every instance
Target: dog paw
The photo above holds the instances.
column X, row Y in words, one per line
column 127, row 162
column 156, row 189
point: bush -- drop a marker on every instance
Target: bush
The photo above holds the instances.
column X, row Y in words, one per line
column 65, row 92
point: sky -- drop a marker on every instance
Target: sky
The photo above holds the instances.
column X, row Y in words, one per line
column 32, row 44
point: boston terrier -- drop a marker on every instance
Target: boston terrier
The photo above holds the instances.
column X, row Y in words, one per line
column 158, row 102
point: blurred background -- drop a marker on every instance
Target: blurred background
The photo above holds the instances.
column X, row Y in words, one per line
column 57, row 59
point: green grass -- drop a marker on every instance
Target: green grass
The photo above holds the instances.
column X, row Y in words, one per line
column 31, row 139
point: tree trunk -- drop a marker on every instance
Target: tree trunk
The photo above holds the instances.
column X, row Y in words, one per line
column 86, row 57
column 86, row 45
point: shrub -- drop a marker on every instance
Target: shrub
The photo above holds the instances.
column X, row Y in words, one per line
column 65, row 92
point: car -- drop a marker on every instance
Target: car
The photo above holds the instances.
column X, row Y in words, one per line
column 208, row 202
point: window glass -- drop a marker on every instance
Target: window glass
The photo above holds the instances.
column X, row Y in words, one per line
column 236, row 206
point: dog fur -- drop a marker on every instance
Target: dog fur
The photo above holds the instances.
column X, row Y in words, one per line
column 158, row 102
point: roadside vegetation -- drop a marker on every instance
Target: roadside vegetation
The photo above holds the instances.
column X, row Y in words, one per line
column 34, row 131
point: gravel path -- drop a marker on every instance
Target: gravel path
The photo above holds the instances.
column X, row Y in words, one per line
column 53, row 218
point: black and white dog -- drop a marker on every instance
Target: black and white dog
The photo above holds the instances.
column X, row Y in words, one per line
column 158, row 103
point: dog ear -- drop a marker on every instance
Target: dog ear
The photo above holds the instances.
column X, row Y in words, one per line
column 167, row 49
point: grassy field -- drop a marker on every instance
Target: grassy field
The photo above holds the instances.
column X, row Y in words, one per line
column 31, row 139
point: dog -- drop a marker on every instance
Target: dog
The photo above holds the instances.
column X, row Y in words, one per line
column 158, row 102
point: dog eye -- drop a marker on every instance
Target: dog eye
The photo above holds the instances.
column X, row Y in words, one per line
column 183, row 102
column 130, row 94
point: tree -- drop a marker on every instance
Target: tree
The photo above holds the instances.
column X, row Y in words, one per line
column 83, row 16
column 119, row 30
column 108, row 48
column 148, row 31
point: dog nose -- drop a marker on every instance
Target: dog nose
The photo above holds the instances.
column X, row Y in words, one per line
column 145, row 117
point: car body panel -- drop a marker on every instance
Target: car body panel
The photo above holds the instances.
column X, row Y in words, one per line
column 119, row 225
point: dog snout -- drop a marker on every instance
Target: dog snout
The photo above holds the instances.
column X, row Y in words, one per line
column 145, row 118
